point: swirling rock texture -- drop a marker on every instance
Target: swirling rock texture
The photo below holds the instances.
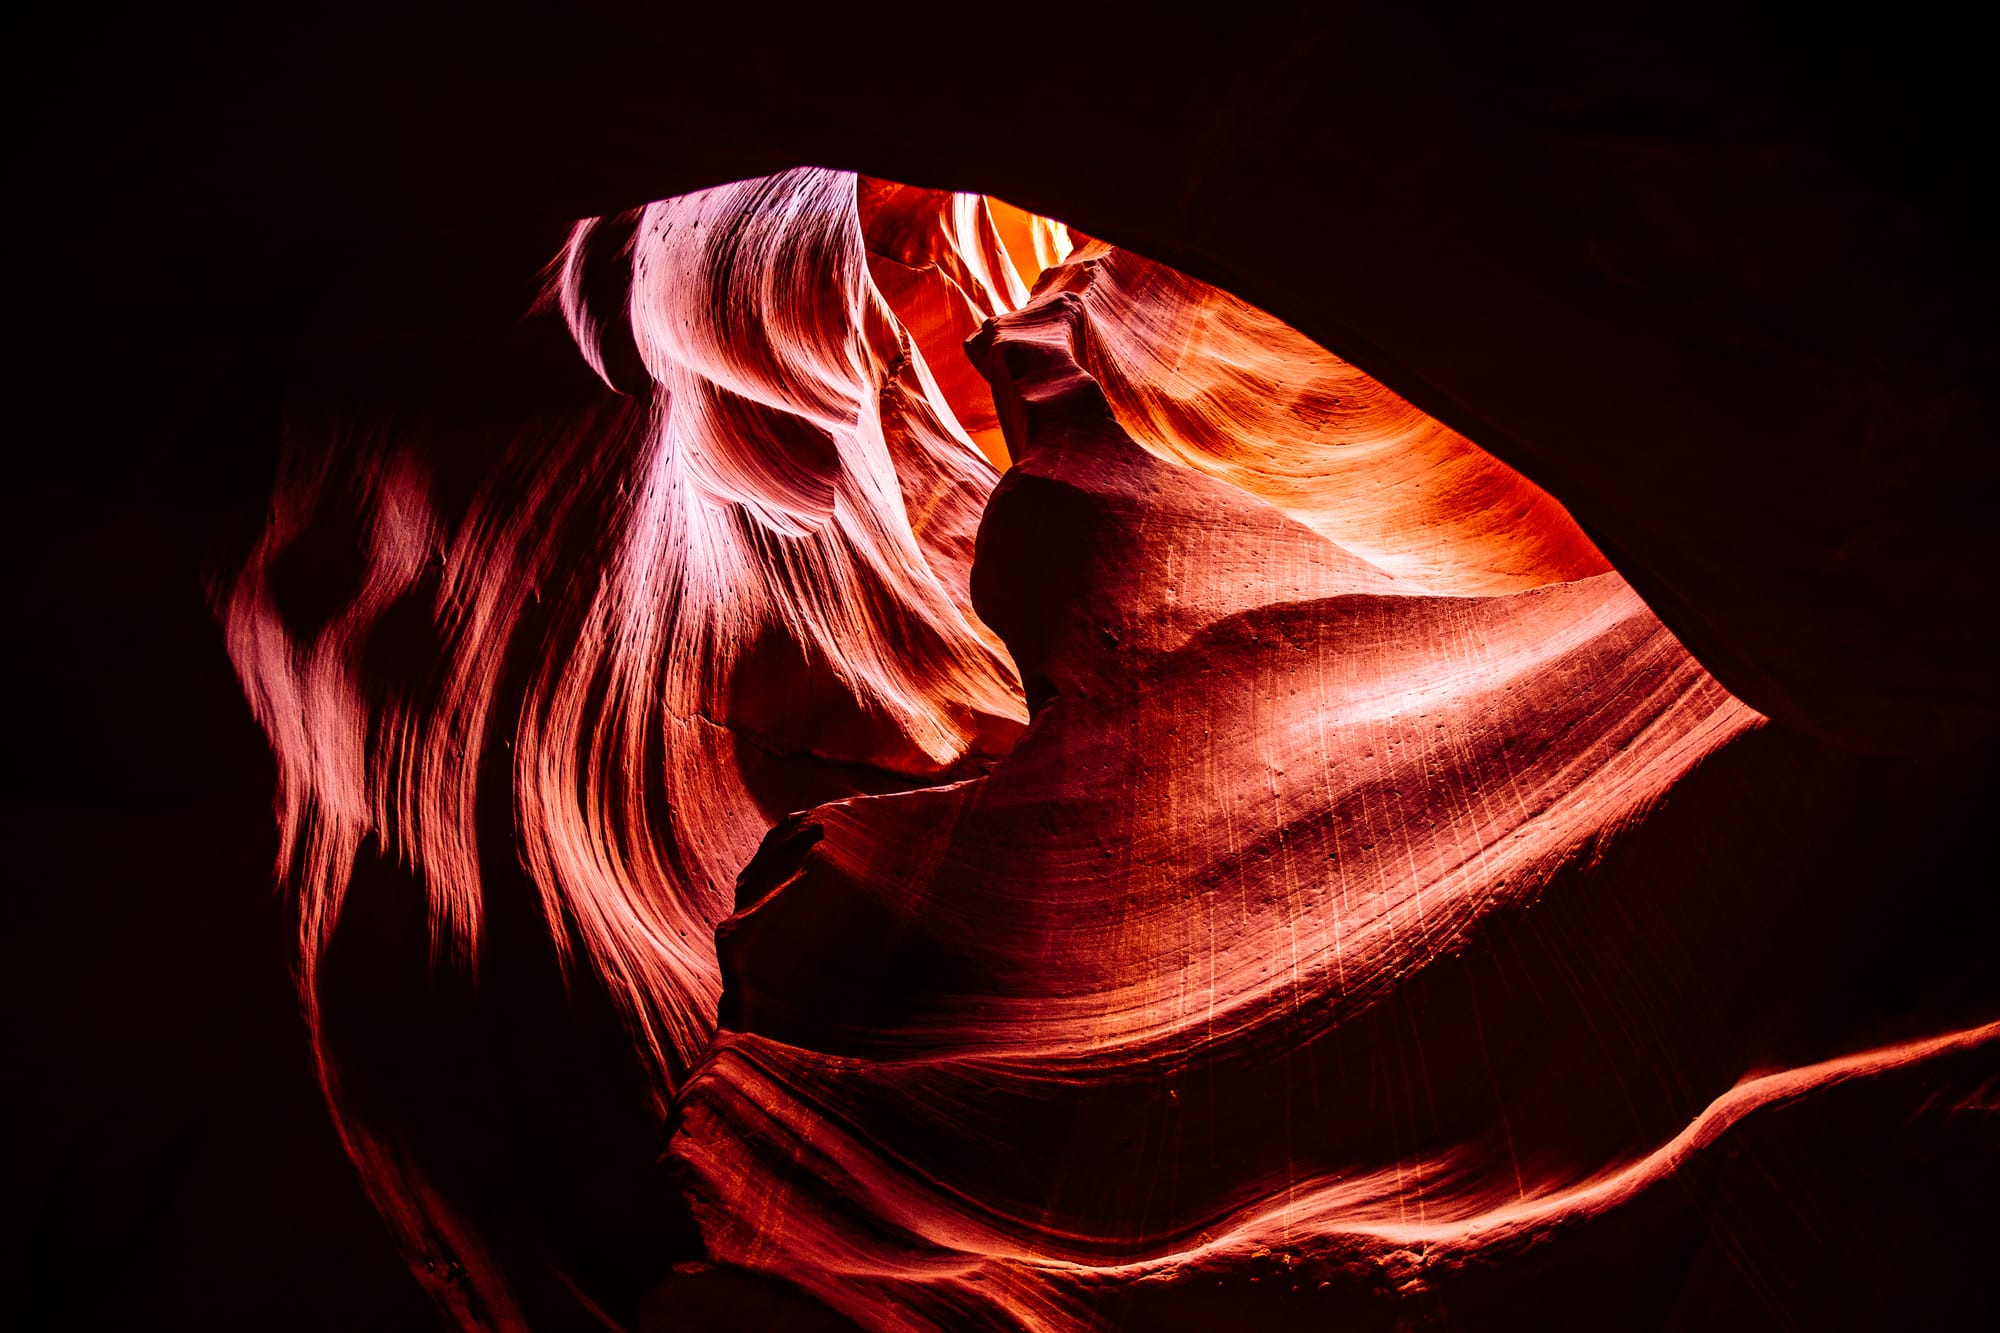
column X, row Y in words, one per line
column 644, row 636
column 848, row 755
column 1318, row 931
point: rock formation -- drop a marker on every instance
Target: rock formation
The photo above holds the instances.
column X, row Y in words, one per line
column 622, row 721
column 1324, row 929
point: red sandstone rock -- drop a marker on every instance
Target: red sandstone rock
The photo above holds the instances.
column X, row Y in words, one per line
column 1720, row 283
column 1323, row 930
column 1252, row 961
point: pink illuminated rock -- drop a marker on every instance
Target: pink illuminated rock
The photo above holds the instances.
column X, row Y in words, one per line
column 742, row 589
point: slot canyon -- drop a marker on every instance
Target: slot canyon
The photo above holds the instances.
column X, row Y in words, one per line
column 901, row 669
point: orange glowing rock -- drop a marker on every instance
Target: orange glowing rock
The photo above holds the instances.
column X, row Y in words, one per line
column 946, row 263
column 1204, row 380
